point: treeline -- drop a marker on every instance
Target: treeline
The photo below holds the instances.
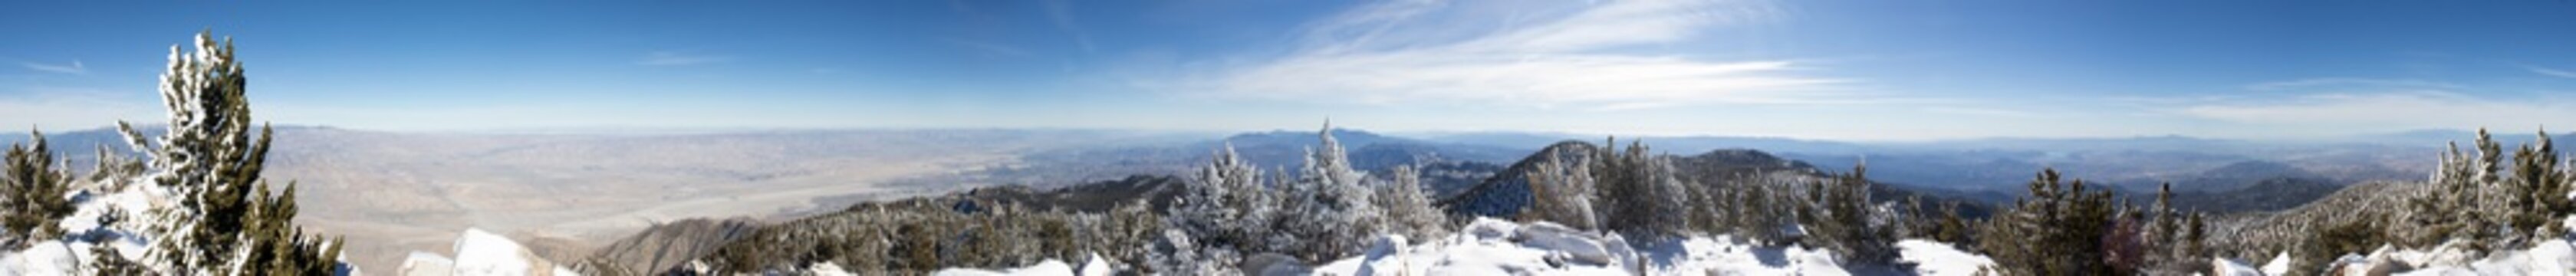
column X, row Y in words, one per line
column 1229, row 215
column 919, row 236
column 1231, row 212
column 2480, row 199
column 1639, row 195
column 2067, row 228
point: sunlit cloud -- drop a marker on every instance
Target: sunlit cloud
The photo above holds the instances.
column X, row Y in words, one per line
column 2551, row 72
column 671, row 58
column 1591, row 56
column 75, row 67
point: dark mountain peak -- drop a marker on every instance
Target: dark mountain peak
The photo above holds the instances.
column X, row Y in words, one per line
column 1506, row 192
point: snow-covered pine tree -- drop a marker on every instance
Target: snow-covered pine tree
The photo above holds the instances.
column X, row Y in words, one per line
column 1841, row 219
column 1337, row 212
column 1408, row 210
column 1205, row 209
column 1637, row 192
column 34, row 190
column 2435, row 214
column 1561, row 191
column 2057, row 230
column 2536, row 194
column 225, row 223
column 1222, row 209
column 1766, row 208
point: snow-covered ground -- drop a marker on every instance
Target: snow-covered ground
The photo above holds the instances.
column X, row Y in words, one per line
column 1497, row 247
column 1049, row 267
column 84, row 230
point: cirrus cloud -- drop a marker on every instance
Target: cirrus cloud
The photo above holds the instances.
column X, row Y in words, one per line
column 75, row 68
column 1598, row 56
column 671, row 58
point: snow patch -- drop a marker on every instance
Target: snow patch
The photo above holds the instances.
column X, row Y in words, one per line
column 1098, row 266
column 483, row 253
column 114, row 219
column 1936, row 258
column 1496, row 247
column 1049, row 267
column 2280, row 264
column 2231, row 267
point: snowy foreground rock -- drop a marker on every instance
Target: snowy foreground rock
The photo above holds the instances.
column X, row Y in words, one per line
column 482, row 253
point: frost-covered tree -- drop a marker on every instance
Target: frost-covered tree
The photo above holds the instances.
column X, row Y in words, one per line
column 1561, row 191
column 2057, row 230
column 2535, row 196
column 34, row 190
column 1336, row 214
column 1222, row 209
column 1763, row 207
column 1207, row 204
column 1408, row 210
column 2477, row 202
column 1841, row 217
column 1638, row 195
column 225, row 222
column 1177, row 254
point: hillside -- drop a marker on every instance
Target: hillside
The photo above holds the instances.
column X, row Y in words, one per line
column 1508, row 192
column 664, row 245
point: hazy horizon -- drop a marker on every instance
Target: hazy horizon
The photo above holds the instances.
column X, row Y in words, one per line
column 1804, row 70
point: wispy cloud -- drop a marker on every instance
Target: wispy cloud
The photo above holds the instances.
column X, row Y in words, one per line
column 673, row 58
column 991, row 48
column 1586, row 56
column 75, row 67
column 2551, row 72
column 2350, row 83
column 1060, row 12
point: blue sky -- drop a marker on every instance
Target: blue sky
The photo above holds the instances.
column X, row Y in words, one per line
column 1851, row 70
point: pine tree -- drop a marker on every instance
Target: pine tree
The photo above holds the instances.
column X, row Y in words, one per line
column 1561, row 191
column 34, row 191
column 1340, row 214
column 1222, row 209
column 2057, row 230
column 2536, row 195
column 226, row 221
column 1637, row 193
column 1408, row 210
column 1841, row 219
column 1952, row 229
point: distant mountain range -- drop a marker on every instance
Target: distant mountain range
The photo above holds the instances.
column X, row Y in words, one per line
column 2005, row 163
